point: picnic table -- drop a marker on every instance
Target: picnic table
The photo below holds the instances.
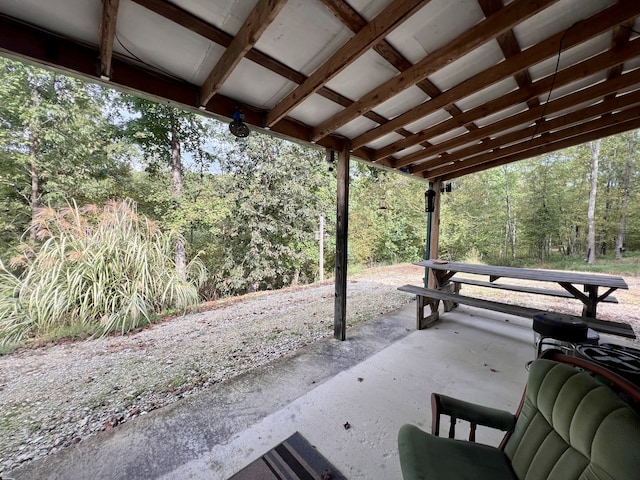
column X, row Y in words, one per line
column 588, row 288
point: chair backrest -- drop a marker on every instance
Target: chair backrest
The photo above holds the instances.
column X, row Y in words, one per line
column 572, row 426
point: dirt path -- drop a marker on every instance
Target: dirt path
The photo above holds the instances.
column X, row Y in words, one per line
column 56, row 396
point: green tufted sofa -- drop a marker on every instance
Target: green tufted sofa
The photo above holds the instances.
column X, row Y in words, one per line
column 576, row 421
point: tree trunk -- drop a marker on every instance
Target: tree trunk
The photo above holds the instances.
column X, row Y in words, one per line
column 591, row 213
column 620, row 243
column 176, row 173
column 510, row 228
column 34, row 131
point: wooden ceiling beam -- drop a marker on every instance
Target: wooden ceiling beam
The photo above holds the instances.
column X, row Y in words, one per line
column 512, row 14
column 564, row 77
column 621, row 36
column 206, row 30
column 384, row 23
column 254, row 26
column 565, row 133
column 510, row 47
column 355, row 22
column 107, row 35
column 547, row 147
column 590, row 94
column 607, row 106
column 585, row 30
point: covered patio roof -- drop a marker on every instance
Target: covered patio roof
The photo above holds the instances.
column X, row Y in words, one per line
column 436, row 89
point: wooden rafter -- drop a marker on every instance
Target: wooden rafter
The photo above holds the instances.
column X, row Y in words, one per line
column 107, row 35
column 191, row 22
column 355, row 22
column 547, row 137
column 254, row 26
column 603, row 61
column 551, row 46
column 510, row 47
column 587, row 95
column 487, row 147
column 512, row 14
column 547, row 147
column 621, row 36
column 384, row 23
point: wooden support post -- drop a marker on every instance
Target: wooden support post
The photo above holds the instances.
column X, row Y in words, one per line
column 321, row 250
column 342, row 228
column 435, row 230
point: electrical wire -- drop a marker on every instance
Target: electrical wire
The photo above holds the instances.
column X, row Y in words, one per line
column 555, row 74
column 136, row 57
column 553, row 82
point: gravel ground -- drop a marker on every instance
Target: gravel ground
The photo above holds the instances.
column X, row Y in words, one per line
column 55, row 396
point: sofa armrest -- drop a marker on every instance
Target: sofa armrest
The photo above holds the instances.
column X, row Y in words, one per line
column 471, row 412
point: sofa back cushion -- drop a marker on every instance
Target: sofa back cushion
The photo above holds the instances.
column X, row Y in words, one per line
column 573, row 427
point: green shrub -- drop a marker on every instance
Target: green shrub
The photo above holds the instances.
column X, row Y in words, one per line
column 108, row 270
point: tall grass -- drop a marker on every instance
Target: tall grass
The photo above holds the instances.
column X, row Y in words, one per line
column 108, row 269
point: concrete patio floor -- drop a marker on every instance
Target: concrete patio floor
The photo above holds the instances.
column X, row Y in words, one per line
column 377, row 380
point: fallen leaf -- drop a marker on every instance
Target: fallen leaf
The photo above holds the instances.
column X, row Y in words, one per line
column 493, row 370
column 360, row 379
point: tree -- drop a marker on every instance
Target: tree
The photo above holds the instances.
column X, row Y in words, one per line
column 163, row 132
column 626, row 187
column 276, row 191
column 56, row 143
column 387, row 218
column 591, row 212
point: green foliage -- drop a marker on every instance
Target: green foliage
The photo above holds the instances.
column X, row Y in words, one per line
column 387, row 219
column 628, row 266
column 275, row 192
column 109, row 270
column 548, row 199
column 56, row 142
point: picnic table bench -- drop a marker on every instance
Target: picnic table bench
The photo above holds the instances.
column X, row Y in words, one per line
column 447, row 290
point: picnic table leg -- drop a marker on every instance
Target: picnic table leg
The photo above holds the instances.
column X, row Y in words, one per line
column 452, row 288
column 422, row 321
column 590, row 304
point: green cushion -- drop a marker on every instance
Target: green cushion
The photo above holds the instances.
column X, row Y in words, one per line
column 573, row 427
column 423, row 456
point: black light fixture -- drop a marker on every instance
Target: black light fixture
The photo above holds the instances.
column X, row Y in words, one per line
column 237, row 125
column 330, row 158
column 429, row 197
column 445, row 188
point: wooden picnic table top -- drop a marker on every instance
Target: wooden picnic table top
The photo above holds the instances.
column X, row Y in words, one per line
column 557, row 276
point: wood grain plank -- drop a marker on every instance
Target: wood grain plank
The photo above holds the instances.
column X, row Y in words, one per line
column 107, row 35
column 514, row 13
column 384, row 23
column 254, row 26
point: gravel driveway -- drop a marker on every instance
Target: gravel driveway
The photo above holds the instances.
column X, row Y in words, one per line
column 55, row 396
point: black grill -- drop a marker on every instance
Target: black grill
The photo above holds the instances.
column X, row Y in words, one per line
column 625, row 361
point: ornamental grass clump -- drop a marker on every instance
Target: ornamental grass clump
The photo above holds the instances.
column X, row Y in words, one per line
column 105, row 270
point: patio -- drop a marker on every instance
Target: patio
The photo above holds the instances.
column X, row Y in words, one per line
column 473, row 354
